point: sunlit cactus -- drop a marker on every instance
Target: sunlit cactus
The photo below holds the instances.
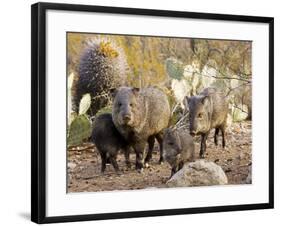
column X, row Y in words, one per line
column 79, row 130
column 85, row 104
column 102, row 66
column 174, row 68
column 80, row 125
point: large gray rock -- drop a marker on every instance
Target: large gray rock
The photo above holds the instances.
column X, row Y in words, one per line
column 198, row 173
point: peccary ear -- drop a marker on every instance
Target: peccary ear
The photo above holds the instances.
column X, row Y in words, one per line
column 135, row 90
column 113, row 92
column 186, row 103
column 178, row 140
column 205, row 99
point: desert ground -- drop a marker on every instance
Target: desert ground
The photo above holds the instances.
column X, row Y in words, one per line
column 84, row 164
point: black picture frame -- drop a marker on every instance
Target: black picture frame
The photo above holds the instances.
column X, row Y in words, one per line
column 38, row 111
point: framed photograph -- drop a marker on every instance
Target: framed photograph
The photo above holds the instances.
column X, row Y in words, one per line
column 141, row 112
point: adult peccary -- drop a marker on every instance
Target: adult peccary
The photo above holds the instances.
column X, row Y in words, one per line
column 140, row 115
column 109, row 141
column 178, row 148
column 208, row 110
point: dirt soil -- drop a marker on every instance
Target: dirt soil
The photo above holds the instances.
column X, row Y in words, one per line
column 84, row 164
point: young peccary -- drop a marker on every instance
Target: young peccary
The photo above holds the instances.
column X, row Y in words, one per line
column 178, row 148
column 108, row 141
column 140, row 115
column 206, row 111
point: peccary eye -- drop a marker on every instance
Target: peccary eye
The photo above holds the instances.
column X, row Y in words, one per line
column 171, row 143
column 131, row 105
column 200, row 115
column 119, row 104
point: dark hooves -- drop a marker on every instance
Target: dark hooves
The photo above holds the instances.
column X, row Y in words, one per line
column 140, row 170
column 202, row 156
column 118, row 172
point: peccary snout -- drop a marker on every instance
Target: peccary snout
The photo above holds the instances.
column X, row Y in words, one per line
column 126, row 118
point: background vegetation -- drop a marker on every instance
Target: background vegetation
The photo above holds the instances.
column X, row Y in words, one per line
column 179, row 66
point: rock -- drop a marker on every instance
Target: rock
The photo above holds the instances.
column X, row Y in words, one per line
column 198, row 173
column 71, row 165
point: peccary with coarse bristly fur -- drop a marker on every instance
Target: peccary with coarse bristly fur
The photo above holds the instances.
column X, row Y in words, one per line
column 208, row 110
column 140, row 115
column 109, row 141
column 178, row 148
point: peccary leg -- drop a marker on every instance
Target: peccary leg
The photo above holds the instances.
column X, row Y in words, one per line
column 203, row 144
column 223, row 136
column 159, row 138
column 180, row 165
column 216, row 136
column 127, row 157
column 114, row 163
column 103, row 162
column 151, row 141
column 139, row 149
column 107, row 160
column 173, row 171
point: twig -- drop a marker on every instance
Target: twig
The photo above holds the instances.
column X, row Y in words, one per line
column 174, row 109
column 230, row 90
column 240, row 109
column 182, row 118
column 83, row 148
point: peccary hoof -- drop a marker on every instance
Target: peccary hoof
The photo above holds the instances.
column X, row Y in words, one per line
column 146, row 165
column 202, row 156
column 161, row 162
column 141, row 170
column 129, row 166
column 118, row 172
column 139, row 165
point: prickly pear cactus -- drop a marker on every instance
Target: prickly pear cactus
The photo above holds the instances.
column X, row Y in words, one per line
column 174, row 68
column 240, row 113
column 80, row 127
column 79, row 130
column 69, row 95
column 107, row 109
column 85, row 104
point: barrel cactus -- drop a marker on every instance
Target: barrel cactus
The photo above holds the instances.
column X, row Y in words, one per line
column 102, row 66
